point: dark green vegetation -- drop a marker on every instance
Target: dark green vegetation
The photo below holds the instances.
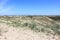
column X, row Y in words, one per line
column 49, row 24
column 55, row 18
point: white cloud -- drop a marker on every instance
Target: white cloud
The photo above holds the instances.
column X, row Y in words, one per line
column 3, row 2
column 4, row 10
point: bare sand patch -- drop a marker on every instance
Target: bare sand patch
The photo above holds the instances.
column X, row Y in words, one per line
column 13, row 33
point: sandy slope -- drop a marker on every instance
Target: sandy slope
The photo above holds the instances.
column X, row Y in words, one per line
column 12, row 33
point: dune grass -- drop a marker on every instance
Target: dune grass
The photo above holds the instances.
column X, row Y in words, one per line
column 20, row 22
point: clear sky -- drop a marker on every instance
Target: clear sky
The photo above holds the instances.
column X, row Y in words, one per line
column 29, row 7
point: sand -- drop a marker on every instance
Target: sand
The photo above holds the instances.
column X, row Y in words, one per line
column 12, row 33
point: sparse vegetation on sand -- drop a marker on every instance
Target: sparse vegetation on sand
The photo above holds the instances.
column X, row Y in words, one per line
column 44, row 24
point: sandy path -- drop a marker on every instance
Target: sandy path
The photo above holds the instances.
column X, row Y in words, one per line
column 12, row 33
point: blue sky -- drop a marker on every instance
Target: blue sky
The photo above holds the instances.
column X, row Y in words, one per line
column 29, row 7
